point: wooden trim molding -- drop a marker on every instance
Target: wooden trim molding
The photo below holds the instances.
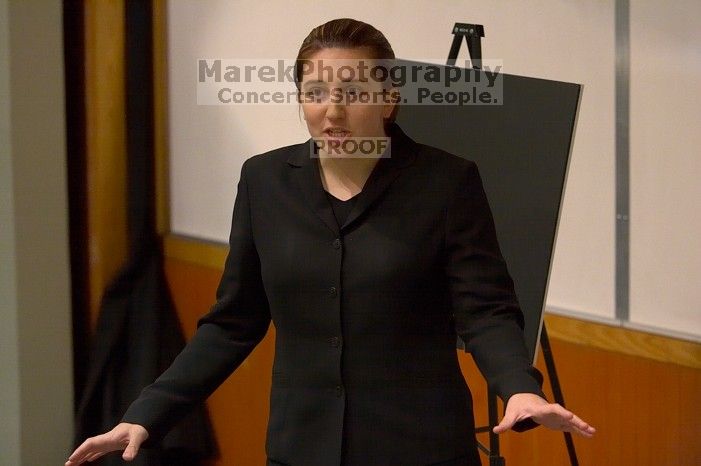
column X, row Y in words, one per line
column 195, row 251
column 624, row 340
column 160, row 115
column 602, row 336
column 105, row 133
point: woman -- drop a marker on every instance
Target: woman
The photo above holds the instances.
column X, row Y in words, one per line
column 369, row 267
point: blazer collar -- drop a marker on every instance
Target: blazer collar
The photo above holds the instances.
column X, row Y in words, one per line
column 308, row 177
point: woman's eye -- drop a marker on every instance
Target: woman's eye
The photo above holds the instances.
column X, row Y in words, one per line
column 316, row 93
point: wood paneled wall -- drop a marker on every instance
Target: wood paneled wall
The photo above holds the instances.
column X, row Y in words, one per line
column 644, row 410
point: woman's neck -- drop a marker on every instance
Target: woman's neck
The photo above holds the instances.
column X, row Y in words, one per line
column 345, row 177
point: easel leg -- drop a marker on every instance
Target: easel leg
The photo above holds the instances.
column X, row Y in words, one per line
column 495, row 458
column 557, row 391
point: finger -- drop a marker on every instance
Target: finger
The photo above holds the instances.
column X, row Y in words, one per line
column 92, row 456
column 559, row 416
column 78, row 453
column 576, row 425
column 95, row 456
column 103, row 443
column 575, row 430
column 506, row 423
column 562, row 412
column 131, row 450
column 83, row 451
column 587, row 431
column 580, row 424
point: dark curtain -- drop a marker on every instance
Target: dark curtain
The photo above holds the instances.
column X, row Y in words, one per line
column 138, row 332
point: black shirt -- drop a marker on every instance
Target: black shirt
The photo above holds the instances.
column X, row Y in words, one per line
column 341, row 209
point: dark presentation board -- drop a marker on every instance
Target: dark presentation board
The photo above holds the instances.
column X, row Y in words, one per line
column 522, row 149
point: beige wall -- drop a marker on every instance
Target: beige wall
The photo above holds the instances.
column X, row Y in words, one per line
column 36, row 401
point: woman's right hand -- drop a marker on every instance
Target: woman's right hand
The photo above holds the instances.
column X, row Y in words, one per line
column 124, row 436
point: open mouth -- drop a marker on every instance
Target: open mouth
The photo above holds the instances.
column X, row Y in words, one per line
column 337, row 133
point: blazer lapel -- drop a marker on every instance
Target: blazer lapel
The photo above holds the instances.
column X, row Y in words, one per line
column 308, row 177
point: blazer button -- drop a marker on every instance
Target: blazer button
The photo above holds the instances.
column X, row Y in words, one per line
column 336, row 243
column 339, row 390
column 335, row 342
column 333, row 291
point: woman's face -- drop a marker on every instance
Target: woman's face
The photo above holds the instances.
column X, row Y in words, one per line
column 337, row 107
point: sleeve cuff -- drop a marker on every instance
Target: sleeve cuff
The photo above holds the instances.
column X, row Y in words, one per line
column 524, row 425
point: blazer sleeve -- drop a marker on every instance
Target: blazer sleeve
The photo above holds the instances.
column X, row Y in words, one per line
column 225, row 336
column 487, row 314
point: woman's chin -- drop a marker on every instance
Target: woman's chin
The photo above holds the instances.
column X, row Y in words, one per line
column 337, row 155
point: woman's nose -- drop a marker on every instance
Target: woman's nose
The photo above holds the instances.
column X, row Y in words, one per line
column 335, row 110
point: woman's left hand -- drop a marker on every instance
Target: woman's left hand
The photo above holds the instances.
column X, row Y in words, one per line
column 521, row 406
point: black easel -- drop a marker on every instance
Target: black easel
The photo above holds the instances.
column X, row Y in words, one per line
column 473, row 34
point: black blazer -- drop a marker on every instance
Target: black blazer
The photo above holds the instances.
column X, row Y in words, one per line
column 366, row 317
